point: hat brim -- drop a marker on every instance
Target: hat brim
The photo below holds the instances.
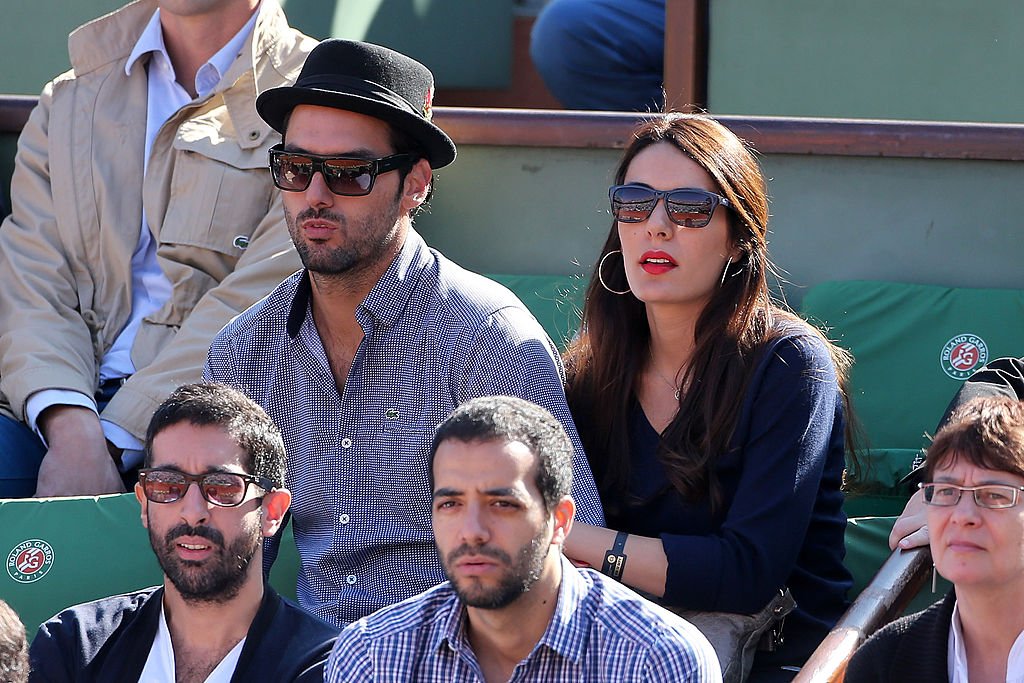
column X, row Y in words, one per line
column 275, row 104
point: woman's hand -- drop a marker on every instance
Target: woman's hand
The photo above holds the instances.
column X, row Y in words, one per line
column 911, row 529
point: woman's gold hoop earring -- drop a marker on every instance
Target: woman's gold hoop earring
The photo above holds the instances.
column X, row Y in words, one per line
column 725, row 271
column 600, row 276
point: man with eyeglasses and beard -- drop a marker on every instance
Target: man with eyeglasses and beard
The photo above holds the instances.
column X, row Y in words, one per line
column 513, row 606
column 359, row 356
column 214, row 619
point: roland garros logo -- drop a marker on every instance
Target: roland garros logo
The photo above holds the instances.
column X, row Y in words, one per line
column 30, row 560
column 962, row 355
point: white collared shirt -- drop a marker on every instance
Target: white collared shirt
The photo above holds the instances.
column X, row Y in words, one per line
column 160, row 664
column 150, row 287
column 957, row 655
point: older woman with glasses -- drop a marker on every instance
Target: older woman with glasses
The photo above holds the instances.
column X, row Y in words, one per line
column 713, row 418
column 974, row 477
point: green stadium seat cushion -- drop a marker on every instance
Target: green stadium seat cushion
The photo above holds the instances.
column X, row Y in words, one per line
column 59, row 552
column 914, row 345
column 62, row 551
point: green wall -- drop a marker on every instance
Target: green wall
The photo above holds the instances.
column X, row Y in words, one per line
column 536, row 211
column 903, row 59
column 521, row 210
column 930, row 221
column 34, row 39
column 465, row 44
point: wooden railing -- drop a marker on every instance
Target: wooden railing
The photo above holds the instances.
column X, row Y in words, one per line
column 888, row 594
column 14, row 111
column 768, row 134
column 685, row 70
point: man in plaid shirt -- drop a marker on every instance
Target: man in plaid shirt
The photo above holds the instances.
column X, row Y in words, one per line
column 514, row 609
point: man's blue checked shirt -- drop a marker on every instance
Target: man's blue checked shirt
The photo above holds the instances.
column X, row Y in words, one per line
column 601, row 631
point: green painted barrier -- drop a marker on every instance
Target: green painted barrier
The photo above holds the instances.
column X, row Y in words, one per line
column 556, row 301
column 867, row 548
column 914, row 59
column 465, row 44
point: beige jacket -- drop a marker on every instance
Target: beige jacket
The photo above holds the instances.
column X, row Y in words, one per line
column 77, row 197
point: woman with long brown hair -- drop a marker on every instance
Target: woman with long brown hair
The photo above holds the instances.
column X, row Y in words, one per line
column 713, row 418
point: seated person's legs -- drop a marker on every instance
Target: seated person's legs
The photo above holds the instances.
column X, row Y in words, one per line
column 602, row 54
column 21, row 451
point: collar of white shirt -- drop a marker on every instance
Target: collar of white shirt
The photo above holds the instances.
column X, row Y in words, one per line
column 957, row 659
column 160, row 664
column 208, row 75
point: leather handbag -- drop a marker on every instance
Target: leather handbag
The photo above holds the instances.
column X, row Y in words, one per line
column 737, row 637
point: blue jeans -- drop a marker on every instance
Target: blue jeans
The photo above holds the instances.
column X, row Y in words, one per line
column 22, row 451
column 602, row 54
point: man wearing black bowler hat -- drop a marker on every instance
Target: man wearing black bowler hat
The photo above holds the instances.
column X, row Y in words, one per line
column 359, row 356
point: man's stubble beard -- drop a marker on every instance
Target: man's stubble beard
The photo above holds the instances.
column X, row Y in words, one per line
column 368, row 242
column 520, row 577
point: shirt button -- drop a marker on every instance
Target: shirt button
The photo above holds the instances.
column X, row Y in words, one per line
column 346, row 442
column 253, row 134
column 343, row 519
column 350, row 579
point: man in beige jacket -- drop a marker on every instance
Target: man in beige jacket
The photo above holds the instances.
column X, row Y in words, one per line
column 144, row 218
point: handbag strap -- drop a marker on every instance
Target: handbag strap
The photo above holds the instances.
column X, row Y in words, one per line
column 774, row 637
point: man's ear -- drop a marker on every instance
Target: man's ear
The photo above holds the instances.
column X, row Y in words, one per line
column 417, row 185
column 143, row 504
column 275, row 505
column 564, row 513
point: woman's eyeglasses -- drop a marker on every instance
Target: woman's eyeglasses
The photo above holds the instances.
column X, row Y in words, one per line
column 224, row 489
column 345, row 176
column 992, row 496
column 689, row 207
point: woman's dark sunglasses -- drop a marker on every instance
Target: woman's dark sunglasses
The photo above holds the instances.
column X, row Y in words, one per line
column 689, row 207
column 346, row 176
column 224, row 489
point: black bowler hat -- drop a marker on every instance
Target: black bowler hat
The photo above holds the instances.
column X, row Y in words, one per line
column 367, row 79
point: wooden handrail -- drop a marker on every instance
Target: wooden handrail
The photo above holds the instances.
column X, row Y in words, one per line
column 14, row 111
column 685, row 69
column 888, row 594
column 768, row 134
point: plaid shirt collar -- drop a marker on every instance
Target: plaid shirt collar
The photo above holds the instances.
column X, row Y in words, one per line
column 566, row 632
column 387, row 299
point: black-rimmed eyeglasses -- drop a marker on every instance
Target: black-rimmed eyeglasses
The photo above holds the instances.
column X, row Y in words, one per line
column 991, row 496
column 224, row 489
